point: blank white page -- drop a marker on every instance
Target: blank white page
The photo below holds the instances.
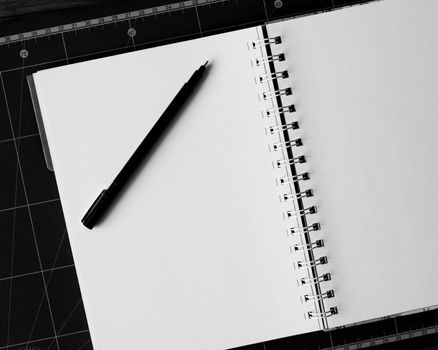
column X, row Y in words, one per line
column 195, row 254
column 366, row 89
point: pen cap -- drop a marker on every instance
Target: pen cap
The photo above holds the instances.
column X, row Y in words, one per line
column 96, row 210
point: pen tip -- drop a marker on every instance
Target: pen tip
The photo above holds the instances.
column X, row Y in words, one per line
column 205, row 64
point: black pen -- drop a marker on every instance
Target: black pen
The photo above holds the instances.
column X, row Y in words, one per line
column 101, row 204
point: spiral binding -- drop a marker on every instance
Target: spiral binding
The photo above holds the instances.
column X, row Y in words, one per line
column 265, row 77
column 319, row 243
column 289, row 196
column 281, row 145
column 329, row 294
column 278, row 128
column 285, row 162
column 302, row 212
column 303, row 230
column 276, row 111
column 323, row 278
column 295, row 178
column 332, row 311
column 280, row 92
column 263, row 42
column 320, row 261
column 270, row 58
column 287, row 146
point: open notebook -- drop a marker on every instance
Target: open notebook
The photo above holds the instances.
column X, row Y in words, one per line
column 218, row 242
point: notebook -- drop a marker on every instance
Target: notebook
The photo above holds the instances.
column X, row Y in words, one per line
column 295, row 192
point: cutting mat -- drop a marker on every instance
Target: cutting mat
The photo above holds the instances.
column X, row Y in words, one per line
column 40, row 301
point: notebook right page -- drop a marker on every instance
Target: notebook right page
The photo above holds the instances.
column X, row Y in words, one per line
column 365, row 84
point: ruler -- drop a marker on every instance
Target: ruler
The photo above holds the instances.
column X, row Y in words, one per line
column 151, row 11
column 387, row 340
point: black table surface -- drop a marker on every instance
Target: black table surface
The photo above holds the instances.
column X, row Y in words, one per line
column 40, row 300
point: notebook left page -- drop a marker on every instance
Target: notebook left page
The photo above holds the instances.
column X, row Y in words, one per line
column 194, row 255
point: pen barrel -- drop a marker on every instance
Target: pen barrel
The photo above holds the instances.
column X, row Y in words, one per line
column 160, row 126
column 107, row 196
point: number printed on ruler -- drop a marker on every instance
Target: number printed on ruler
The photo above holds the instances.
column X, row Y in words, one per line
column 152, row 11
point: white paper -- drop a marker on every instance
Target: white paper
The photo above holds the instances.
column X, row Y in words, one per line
column 365, row 83
column 195, row 254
